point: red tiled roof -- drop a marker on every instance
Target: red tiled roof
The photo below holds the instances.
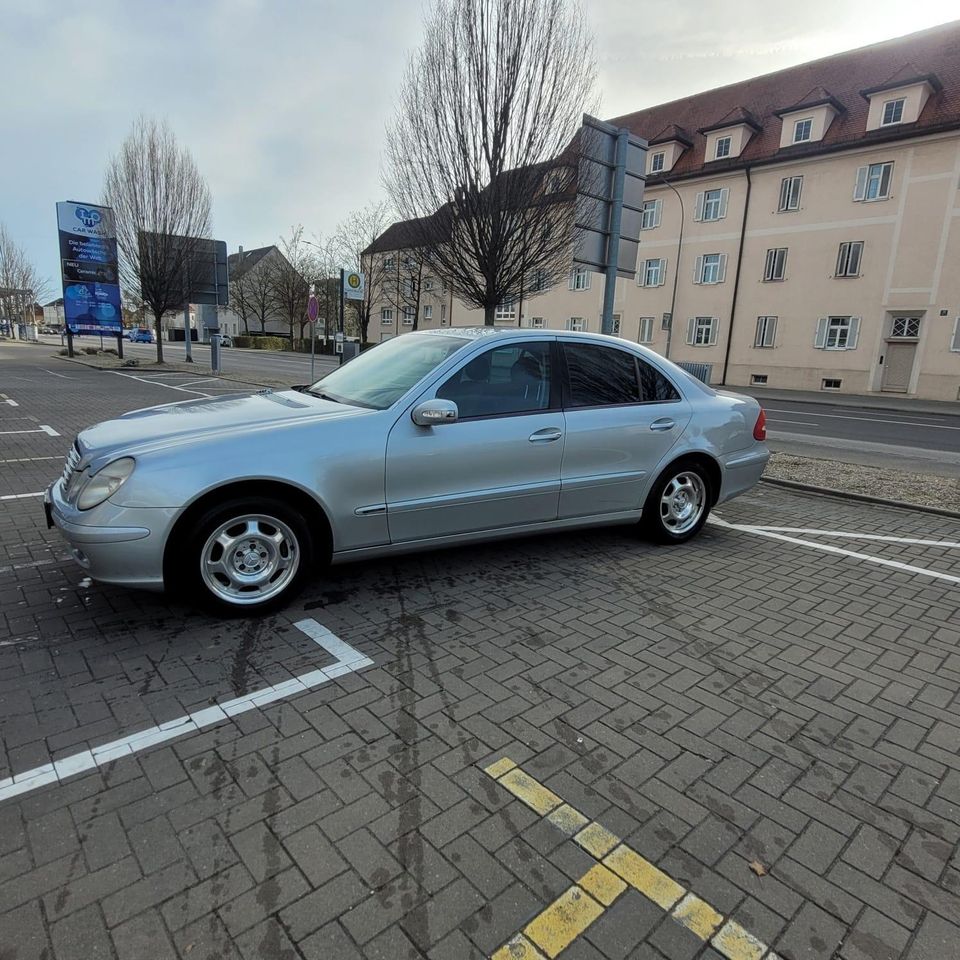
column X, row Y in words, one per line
column 934, row 52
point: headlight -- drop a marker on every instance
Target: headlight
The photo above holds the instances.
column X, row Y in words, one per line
column 105, row 482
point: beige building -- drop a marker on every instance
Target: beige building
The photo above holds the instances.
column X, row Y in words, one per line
column 802, row 229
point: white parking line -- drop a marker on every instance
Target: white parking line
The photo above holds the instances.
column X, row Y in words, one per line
column 6, row 399
column 62, row 376
column 29, row 459
column 827, row 548
column 29, row 566
column 348, row 661
column 160, row 383
column 20, row 496
column 861, row 536
column 41, row 428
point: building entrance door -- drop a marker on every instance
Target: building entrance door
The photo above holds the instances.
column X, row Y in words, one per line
column 901, row 352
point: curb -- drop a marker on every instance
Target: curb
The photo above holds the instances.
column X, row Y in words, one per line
column 861, row 497
column 857, row 401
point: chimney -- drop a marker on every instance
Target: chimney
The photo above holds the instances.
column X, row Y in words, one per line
column 239, row 256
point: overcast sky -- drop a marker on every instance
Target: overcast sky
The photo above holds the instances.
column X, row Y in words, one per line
column 284, row 102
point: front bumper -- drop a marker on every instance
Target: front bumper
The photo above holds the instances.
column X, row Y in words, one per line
column 113, row 544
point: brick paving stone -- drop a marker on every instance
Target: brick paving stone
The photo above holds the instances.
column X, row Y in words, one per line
column 328, row 942
column 81, row 936
column 143, row 936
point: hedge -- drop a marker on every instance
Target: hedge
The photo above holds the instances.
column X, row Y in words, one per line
column 262, row 343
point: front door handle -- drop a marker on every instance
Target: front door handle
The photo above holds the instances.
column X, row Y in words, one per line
column 664, row 423
column 547, row 435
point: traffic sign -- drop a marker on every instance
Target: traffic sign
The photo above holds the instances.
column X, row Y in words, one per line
column 353, row 285
column 313, row 308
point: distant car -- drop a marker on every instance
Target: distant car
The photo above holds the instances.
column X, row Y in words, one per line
column 226, row 340
column 436, row 438
column 141, row 335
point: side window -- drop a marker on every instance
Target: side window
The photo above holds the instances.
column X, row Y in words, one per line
column 654, row 386
column 512, row 378
column 600, row 376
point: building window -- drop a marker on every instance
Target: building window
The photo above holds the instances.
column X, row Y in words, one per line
column 575, row 323
column 652, row 273
column 790, row 188
column 579, row 279
column 766, row 334
column 386, row 316
column 775, row 267
column 646, row 330
column 505, row 312
column 837, row 333
column 905, row 327
column 712, row 204
column 615, row 325
column 443, row 313
column 428, row 312
column 955, row 341
column 539, row 283
column 702, row 331
column 650, row 216
column 758, row 379
column 892, row 112
column 848, row 259
column 873, row 182
column 710, row 268
column 802, row 130
column 428, row 285
column 723, row 148
column 830, row 383
column 656, row 162
column 388, row 263
column 536, row 323
column 407, row 316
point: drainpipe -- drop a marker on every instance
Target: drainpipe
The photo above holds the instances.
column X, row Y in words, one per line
column 676, row 269
column 736, row 282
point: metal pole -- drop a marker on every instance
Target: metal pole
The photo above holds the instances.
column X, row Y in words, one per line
column 613, row 240
column 676, row 269
column 186, row 333
column 340, row 320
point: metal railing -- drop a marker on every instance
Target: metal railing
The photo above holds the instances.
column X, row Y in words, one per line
column 702, row 371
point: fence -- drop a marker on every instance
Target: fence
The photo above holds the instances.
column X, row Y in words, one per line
column 702, row 371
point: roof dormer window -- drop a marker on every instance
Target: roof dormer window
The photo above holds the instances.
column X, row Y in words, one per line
column 722, row 148
column 802, row 130
column 893, row 112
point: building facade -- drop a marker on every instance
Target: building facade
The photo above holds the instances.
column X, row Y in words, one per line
column 801, row 230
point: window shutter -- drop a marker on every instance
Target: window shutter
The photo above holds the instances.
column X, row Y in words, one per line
column 663, row 271
column 724, row 196
column 589, row 276
column 691, row 330
column 820, row 340
column 860, row 188
column 722, row 273
column 713, row 331
column 642, row 273
column 573, row 273
column 656, row 212
column 770, row 335
column 885, row 178
column 955, row 345
column 698, row 268
column 699, row 213
column 854, row 333
column 759, row 336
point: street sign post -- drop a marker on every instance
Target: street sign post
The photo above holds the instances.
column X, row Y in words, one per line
column 354, row 285
column 88, row 267
column 313, row 311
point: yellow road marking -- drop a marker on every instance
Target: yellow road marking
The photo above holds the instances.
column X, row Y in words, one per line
column 519, row 948
column 697, row 916
column 563, row 921
column 602, row 884
column 596, row 840
column 734, row 942
column 571, row 913
column 535, row 795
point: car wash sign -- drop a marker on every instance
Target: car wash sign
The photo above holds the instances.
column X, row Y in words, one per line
column 88, row 264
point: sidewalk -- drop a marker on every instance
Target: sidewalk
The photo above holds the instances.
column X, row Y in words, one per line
column 876, row 401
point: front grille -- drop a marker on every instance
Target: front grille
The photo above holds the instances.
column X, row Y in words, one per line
column 70, row 470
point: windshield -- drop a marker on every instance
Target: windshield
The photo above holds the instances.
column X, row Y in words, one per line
column 380, row 376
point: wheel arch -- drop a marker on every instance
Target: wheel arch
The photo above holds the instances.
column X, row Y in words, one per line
column 704, row 459
column 311, row 509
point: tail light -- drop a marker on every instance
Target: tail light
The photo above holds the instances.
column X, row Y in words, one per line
column 760, row 427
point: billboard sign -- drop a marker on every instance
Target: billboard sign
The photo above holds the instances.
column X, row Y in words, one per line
column 88, row 266
column 200, row 265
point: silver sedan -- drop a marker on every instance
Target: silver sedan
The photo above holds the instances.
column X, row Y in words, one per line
column 430, row 439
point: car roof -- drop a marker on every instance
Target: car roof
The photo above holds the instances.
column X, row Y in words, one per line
column 476, row 333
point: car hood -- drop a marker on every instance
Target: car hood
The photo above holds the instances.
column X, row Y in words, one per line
column 173, row 424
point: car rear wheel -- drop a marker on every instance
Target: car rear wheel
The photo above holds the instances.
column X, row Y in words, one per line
column 678, row 504
column 249, row 556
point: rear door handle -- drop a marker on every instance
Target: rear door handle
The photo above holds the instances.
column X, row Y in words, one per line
column 547, row 435
column 664, row 423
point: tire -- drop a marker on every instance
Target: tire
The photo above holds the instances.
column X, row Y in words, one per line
column 678, row 503
column 248, row 556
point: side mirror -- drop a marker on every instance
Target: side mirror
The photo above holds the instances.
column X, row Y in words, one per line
column 432, row 413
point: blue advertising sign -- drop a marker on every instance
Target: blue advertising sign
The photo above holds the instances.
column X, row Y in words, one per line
column 88, row 261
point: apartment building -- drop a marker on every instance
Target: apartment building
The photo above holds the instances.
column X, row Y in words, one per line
column 800, row 230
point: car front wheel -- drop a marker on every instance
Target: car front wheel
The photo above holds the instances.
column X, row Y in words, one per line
column 678, row 504
column 249, row 556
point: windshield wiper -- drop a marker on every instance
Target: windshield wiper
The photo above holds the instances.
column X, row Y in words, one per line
column 322, row 395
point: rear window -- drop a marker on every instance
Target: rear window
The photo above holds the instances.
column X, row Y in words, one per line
column 602, row 376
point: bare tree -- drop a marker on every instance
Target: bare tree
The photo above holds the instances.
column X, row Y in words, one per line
column 290, row 277
column 352, row 238
column 161, row 204
column 326, row 282
column 478, row 159
column 252, row 296
column 20, row 284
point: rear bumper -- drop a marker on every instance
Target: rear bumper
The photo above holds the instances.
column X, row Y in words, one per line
column 113, row 544
column 742, row 471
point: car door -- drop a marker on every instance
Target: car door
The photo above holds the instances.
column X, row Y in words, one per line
column 621, row 416
column 497, row 466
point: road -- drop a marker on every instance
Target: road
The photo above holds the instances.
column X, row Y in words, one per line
column 925, row 442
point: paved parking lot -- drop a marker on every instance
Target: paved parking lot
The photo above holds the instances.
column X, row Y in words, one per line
column 578, row 745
